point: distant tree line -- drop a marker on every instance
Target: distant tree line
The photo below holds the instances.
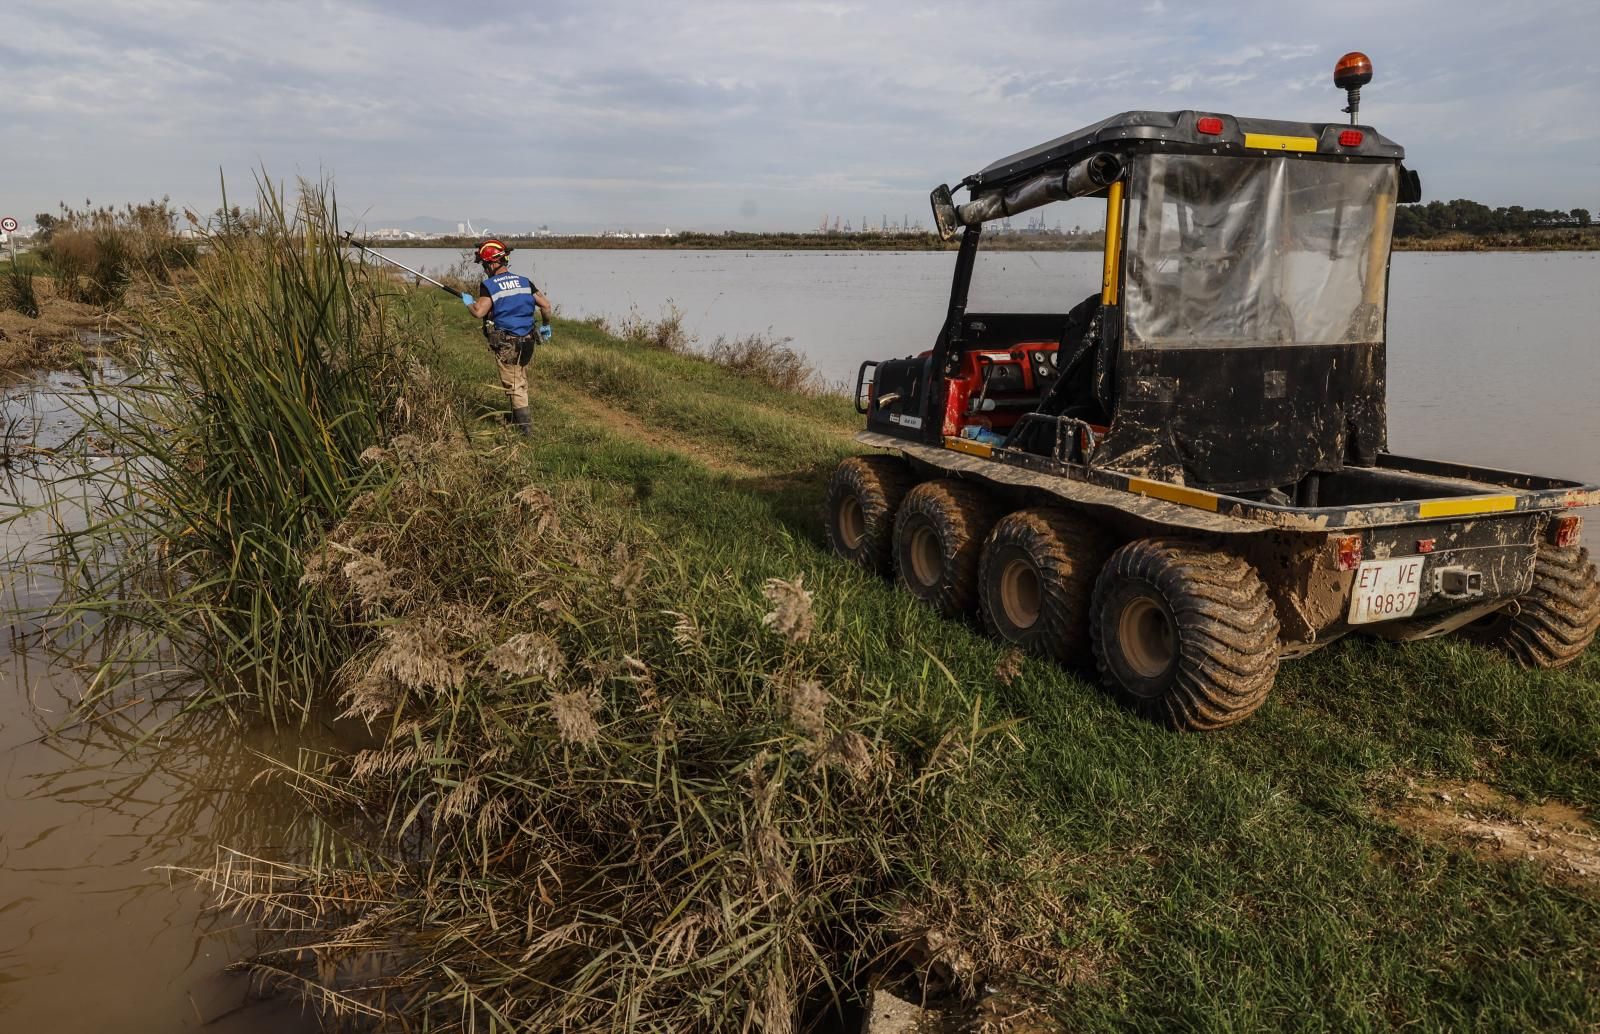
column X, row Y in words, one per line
column 1462, row 216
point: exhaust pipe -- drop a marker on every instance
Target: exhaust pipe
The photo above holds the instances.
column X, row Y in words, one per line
column 1088, row 176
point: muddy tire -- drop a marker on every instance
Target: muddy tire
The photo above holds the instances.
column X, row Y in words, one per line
column 1551, row 624
column 863, row 496
column 1187, row 635
column 938, row 536
column 1036, row 579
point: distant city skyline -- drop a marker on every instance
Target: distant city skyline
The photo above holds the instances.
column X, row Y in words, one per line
column 713, row 115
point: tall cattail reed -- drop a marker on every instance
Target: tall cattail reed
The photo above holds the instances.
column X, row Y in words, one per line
column 234, row 426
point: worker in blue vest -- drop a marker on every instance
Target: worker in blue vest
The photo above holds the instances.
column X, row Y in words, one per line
column 506, row 303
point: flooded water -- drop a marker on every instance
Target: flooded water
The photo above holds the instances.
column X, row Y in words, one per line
column 96, row 934
column 1493, row 358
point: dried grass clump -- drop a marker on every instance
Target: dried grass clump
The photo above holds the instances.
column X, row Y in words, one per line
column 598, row 812
column 759, row 357
column 667, row 333
column 791, row 608
column 770, row 360
column 1009, row 667
column 807, row 705
column 528, row 654
column 96, row 253
column 576, row 716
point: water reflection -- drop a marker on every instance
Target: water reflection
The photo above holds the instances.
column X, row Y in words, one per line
column 96, row 931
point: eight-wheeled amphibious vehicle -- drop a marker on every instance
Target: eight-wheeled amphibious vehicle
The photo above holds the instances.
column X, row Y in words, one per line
column 1185, row 477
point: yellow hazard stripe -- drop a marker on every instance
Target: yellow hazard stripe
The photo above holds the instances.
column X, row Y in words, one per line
column 968, row 446
column 1462, row 507
column 1268, row 142
column 1174, row 493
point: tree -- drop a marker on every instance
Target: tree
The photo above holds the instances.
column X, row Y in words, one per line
column 47, row 224
column 1580, row 216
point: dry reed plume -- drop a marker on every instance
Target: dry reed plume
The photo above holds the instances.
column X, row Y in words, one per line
column 605, row 810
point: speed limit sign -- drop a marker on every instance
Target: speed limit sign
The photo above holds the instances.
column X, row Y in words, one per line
column 8, row 224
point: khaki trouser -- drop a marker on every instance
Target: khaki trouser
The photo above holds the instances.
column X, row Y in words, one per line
column 514, row 378
column 511, row 356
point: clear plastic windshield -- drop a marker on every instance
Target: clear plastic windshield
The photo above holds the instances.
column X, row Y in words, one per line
column 1229, row 252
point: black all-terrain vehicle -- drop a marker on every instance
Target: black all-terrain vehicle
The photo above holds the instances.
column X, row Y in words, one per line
column 1185, row 478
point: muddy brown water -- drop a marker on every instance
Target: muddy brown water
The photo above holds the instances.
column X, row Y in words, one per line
column 96, row 933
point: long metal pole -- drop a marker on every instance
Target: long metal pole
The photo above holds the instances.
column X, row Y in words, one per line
column 355, row 243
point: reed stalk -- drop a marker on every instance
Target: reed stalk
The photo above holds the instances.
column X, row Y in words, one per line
column 225, row 440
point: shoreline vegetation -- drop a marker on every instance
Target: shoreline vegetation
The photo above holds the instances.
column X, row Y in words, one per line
column 1459, row 225
column 634, row 750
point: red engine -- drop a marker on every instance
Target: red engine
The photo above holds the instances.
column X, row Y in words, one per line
column 996, row 387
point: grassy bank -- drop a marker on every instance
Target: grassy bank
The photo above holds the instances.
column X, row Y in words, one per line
column 1555, row 239
column 648, row 757
column 1251, row 880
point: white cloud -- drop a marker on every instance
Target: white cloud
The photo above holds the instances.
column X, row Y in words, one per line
column 579, row 113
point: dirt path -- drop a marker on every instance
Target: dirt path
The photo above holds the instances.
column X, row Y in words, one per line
column 1491, row 824
column 627, row 425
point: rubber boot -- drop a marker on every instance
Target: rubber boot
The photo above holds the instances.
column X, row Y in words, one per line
column 524, row 422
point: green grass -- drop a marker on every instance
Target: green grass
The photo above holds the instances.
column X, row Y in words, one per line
column 1240, row 881
column 29, row 262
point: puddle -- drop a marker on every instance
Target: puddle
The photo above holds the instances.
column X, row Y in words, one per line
column 1555, row 836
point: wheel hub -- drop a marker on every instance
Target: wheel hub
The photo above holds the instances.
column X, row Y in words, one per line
column 852, row 522
column 1149, row 640
column 927, row 558
column 1020, row 593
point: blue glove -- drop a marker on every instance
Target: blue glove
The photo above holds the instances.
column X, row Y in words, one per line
column 466, row 299
column 544, row 332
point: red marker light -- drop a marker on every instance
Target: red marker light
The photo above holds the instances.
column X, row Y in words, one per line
column 1566, row 530
column 1425, row 545
column 1210, row 125
column 1348, row 548
column 1351, row 138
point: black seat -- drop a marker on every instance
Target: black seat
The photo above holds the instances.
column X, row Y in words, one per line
column 1072, row 388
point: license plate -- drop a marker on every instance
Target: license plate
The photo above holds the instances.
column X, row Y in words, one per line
column 1386, row 589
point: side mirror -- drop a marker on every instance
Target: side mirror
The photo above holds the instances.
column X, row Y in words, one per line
column 944, row 212
column 1410, row 186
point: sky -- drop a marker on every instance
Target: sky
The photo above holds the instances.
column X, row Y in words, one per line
column 591, row 114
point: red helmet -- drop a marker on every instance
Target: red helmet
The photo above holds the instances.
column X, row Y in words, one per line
column 492, row 251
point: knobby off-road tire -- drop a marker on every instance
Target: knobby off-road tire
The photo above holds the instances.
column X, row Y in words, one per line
column 938, row 536
column 1188, row 635
column 1555, row 621
column 1036, row 579
column 863, row 496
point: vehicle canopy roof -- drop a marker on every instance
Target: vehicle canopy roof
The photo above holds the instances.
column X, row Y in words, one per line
column 1179, row 130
